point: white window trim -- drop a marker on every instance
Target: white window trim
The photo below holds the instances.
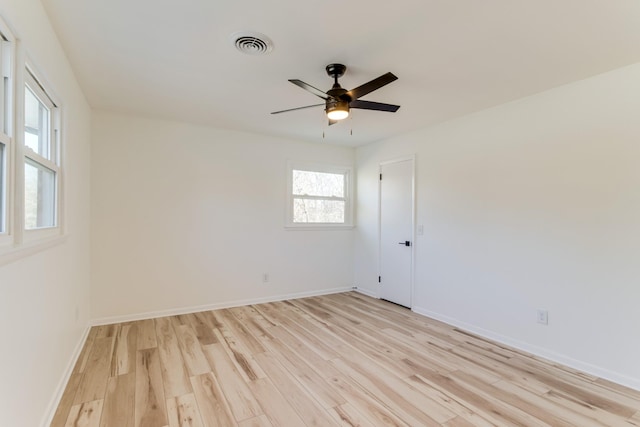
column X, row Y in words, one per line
column 7, row 235
column 16, row 242
column 37, row 85
column 347, row 171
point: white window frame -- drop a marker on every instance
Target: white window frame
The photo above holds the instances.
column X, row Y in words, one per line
column 15, row 69
column 44, row 94
column 346, row 171
column 7, row 117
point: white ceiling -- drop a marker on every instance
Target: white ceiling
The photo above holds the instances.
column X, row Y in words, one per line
column 174, row 59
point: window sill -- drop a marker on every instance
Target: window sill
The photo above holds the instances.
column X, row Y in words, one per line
column 9, row 254
column 323, row 227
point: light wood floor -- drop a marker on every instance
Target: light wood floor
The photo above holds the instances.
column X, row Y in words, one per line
column 342, row 359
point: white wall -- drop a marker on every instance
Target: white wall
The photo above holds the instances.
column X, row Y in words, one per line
column 533, row 204
column 186, row 216
column 40, row 293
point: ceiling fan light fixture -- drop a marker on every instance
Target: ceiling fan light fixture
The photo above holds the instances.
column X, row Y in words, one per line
column 337, row 110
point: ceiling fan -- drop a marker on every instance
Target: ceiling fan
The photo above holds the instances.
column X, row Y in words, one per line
column 338, row 100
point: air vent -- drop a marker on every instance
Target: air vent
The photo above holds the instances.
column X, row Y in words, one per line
column 252, row 43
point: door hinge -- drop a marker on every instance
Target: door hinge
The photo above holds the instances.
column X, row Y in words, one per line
column 379, row 279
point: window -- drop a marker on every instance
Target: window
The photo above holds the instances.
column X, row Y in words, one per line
column 41, row 170
column 30, row 156
column 319, row 196
column 6, row 116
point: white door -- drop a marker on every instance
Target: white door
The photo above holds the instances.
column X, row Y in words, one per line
column 396, row 231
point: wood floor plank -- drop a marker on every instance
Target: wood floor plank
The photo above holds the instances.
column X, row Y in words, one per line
column 597, row 416
column 586, row 392
column 402, row 401
column 312, row 376
column 123, row 359
column 348, row 416
column 202, row 328
column 285, row 340
column 458, row 422
column 93, row 384
column 520, row 402
column 500, row 367
column 313, row 414
column 400, row 349
column 150, row 404
column 66, row 401
column 319, row 346
column 240, row 332
column 365, row 403
column 552, row 409
column 107, row 331
column 252, row 313
column 363, row 342
column 146, row 334
column 212, row 402
column 275, row 406
column 180, row 319
column 449, row 401
column 86, row 350
column 241, row 401
column 254, row 322
column 119, row 403
column 85, row 414
column 340, row 359
column 192, row 354
column 239, row 355
column 630, row 393
column 183, row 411
column 351, row 311
column 495, row 411
column 261, row 421
column 176, row 381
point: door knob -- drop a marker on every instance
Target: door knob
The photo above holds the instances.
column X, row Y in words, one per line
column 406, row 243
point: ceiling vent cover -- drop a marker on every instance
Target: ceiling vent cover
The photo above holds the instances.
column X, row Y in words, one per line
column 252, row 43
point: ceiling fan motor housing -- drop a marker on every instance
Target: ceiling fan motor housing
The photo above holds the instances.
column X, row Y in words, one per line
column 336, row 70
column 335, row 104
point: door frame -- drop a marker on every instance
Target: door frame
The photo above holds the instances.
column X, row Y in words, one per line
column 411, row 158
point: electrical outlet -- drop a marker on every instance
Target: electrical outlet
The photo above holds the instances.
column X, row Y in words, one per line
column 543, row 317
column 265, row 277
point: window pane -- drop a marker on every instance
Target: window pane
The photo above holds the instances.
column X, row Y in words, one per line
column 36, row 124
column 318, row 211
column 39, row 196
column 318, row 184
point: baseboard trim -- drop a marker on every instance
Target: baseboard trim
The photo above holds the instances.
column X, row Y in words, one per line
column 216, row 306
column 542, row 352
column 367, row 292
column 62, row 384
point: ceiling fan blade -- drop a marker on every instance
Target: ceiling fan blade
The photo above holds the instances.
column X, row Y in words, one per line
column 314, row 90
column 368, row 105
column 369, row 87
column 299, row 108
